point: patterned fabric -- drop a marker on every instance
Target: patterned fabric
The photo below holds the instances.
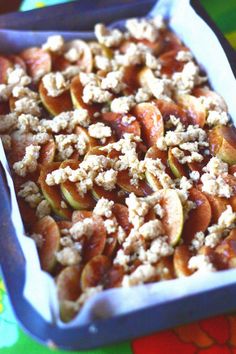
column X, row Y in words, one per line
column 212, row 336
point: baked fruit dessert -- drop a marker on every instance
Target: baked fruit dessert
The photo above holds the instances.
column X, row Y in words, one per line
column 123, row 160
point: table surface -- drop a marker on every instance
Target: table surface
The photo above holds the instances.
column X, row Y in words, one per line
column 211, row 336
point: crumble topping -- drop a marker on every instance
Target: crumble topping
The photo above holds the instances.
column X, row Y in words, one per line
column 99, row 131
column 109, row 38
column 55, row 84
column 29, row 161
column 54, row 44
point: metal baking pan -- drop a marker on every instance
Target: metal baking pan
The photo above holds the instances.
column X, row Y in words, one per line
column 82, row 16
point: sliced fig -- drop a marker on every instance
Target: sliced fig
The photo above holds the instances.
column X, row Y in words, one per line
column 121, row 213
column 68, row 290
column 169, row 63
column 151, row 122
column 5, row 64
column 55, row 105
column 48, row 228
column 181, row 258
column 76, row 91
column 218, row 206
column 173, row 218
column 38, row 62
column 47, row 152
column 168, row 108
column 124, row 182
column 176, row 167
column 199, row 218
column 115, row 120
column 94, row 272
column 85, row 60
column 71, row 193
column 194, row 108
column 53, row 193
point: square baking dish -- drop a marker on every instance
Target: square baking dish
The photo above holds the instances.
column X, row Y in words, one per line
column 165, row 314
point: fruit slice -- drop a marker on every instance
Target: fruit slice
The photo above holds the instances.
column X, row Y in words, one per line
column 38, row 62
column 145, row 76
column 85, row 61
column 100, row 192
column 28, row 214
column 120, row 126
column 94, row 245
column 4, row 107
column 5, row 64
column 122, row 216
column 169, row 63
column 76, row 91
column 151, row 122
column 124, row 182
column 111, row 243
column 59, row 62
column 17, row 60
column 47, row 152
column 154, row 153
column 165, row 269
column 173, row 215
column 53, row 193
column 222, row 141
column 48, row 228
column 227, row 249
column 90, row 142
column 94, row 272
column 131, row 74
column 218, row 205
column 215, row 97
column 176, row 167
column 181, row 258
column 71, row 193
column 168, row 108
column 194, row 108
column 170, row 41
column 199, row 218
column 55, row 105
column 68, row 289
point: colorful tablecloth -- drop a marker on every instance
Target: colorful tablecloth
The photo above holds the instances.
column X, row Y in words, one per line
column 212, row 336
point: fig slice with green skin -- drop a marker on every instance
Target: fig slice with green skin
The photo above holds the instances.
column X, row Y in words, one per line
column 76, row 91
column 120, row 127
column 48, row 228
column 85, row 61
column 227, row 249
column 168, row 108
column 95, row 244
column 71, row 193
column 199, row 218
column 222, row 140
column 47, row 152
column 95, row 272
column 55, row 105
column 124, row 182
column 154, row 153
column 176, row 167
column 38, row 62
column 68, row 290
column 151, row 122
column 53, row 193
column 194, row 108
column 100, row 192
column 5, row 64
column 180, row 260
column 173, row 218
column 121, row 213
